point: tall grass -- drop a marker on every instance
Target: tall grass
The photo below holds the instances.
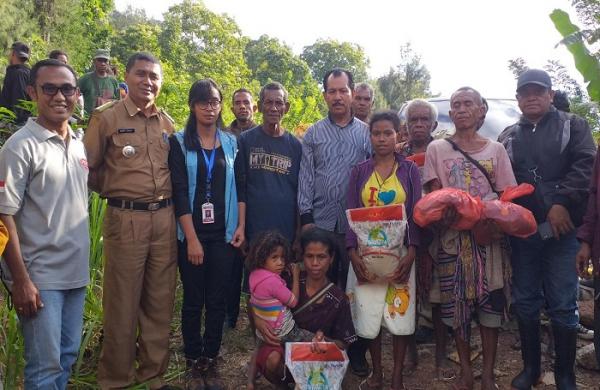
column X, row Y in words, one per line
column 84, row 370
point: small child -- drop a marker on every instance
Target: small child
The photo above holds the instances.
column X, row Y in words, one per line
column 270, row 298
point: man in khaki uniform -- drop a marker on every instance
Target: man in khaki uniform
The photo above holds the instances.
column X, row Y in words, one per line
column 127, row 146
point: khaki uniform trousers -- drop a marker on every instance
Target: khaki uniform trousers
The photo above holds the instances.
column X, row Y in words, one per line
column 140, row 254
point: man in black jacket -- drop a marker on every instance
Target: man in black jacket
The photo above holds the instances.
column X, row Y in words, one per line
column 554, row 151
column 16, row 81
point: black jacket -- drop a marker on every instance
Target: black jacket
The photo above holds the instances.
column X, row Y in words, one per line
column 13, row 90
column 557, row 157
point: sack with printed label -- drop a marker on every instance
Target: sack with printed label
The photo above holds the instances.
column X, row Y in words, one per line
column 316, row 371
column 380, row 234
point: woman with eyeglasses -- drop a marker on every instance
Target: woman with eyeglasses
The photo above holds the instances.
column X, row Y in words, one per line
column 208, row 198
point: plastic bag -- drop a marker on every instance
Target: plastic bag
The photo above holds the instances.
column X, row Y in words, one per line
column 511, row 218
column 513, row 192
column 431, row 207
column 380, row 235
column 316, row 371
column 417, row 158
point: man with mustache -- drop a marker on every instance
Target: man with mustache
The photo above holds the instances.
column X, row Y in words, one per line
column 554, row 151
column 243, row 109
column 44, row 205
column 128, row 148
column 330, row 149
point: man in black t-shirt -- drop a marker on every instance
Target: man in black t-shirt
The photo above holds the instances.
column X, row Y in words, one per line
column 269, row 158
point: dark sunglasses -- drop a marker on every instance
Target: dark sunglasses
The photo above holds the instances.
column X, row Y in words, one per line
column 51, row 89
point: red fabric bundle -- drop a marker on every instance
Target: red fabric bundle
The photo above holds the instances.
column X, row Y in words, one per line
column 431, row 208
column 512, row 219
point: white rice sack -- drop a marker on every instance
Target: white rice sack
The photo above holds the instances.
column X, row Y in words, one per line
column 380, row 232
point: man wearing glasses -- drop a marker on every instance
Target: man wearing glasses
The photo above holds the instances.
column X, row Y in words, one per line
column 99, row 87
column 128, row 148
column 43, row 203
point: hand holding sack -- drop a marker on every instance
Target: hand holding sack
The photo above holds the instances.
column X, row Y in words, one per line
column 380, row 233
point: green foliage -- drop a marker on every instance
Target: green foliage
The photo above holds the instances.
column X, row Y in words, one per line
column 586, row 63
column 408, row 81
column 11, row 348
column 17, row 23
column 270, row 60
column 326, row 54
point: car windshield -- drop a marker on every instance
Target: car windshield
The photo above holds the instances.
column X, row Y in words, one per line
column 501, row 113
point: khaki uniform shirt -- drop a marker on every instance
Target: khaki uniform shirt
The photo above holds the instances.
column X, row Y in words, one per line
column 128, row 152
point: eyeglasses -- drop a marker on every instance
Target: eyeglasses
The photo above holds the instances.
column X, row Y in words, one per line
column 52, row 90
column 214, row 104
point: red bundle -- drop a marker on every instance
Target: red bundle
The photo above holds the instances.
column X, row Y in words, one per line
column 512, row 219
column 431, row 208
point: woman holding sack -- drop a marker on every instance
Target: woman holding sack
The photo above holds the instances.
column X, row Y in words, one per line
column 208, row 198
column 385, row 179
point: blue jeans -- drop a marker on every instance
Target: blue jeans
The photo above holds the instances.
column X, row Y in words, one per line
column 544, row 275
column 52, row 339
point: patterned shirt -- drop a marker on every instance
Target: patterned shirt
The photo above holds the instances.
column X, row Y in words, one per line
column 329, row 152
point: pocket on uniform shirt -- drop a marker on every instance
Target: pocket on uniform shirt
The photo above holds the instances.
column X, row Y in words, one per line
column 129, row 146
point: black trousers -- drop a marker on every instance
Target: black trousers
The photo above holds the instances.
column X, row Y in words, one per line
column 235, row 289
column 597, row 317
column 205, row 290
column 338, row 273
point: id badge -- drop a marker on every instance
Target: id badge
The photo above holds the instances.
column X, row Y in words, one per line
column 208, row 213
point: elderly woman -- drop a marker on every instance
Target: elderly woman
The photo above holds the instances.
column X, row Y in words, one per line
column 385, row 179
column 322, row 306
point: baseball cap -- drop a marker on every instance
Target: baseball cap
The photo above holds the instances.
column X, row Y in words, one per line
column 102, row 53
column 534, row 76
column 21, row 50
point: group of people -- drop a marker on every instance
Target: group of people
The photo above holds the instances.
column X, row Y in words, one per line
column 96, row 87
column 212, row 201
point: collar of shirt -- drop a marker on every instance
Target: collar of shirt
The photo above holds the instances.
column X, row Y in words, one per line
column 132, row 109
column 338, row 126
column 235, row 125
column 41, row 133
column 523, row 121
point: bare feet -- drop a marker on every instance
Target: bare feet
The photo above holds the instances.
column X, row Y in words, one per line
column 488, row 384
column 464, row 382
column 374, row 381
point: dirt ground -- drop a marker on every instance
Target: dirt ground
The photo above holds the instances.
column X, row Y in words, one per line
column 237, row 346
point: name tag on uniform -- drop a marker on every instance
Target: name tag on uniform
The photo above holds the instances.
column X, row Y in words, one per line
column 125, row 131
column 208, row 213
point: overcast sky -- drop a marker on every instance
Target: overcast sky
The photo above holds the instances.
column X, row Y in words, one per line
column 462, row 42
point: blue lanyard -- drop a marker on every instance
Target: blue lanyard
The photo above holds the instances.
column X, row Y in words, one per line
column 210, row 164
